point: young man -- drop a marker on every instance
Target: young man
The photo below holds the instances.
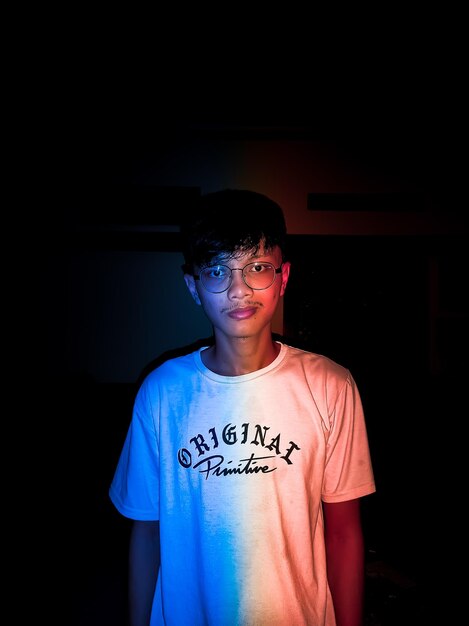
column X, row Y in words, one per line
column 245, row 461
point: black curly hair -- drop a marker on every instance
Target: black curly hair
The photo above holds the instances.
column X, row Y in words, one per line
column 229, row 223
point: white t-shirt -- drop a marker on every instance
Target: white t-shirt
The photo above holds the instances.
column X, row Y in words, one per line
column 235, row 469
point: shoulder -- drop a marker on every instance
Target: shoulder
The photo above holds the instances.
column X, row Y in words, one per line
column 171, row 369
column 317, row 365
column 330, row 384
column 321, row 375
column 168, row 379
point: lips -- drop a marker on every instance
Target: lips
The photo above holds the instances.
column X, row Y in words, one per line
column 242, row 313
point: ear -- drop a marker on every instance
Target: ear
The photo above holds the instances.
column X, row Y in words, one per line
column 285, row 274
column 190, row 282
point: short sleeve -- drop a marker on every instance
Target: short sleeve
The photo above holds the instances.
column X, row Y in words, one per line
column 134, row 490
column 348, row 471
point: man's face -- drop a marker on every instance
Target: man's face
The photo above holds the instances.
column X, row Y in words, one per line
column 241, row 310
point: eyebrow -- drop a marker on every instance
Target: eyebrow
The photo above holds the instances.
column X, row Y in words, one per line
column 248, row 259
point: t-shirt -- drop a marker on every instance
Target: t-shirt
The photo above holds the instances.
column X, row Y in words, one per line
column 235, row 469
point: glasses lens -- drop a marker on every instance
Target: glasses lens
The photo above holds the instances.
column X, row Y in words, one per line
column 216, row 278
column 259, row 275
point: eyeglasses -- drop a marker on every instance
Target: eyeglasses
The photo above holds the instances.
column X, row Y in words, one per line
column 257, row 275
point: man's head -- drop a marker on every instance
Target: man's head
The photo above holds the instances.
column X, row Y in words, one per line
column 230, row 223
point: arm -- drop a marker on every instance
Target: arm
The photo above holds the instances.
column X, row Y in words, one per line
column 345, row 560
column 144, row 563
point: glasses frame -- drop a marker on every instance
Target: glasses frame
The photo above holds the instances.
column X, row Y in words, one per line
column 277, row 270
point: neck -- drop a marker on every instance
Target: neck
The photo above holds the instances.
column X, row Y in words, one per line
column 240, row 355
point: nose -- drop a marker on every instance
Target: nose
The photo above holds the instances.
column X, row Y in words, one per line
column 238, row 288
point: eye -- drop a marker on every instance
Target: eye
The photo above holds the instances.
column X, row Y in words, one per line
column 258, row 268
column 217, row 272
